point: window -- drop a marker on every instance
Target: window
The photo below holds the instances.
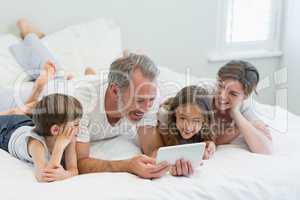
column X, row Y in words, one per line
column 248, row 20
column 248, row 27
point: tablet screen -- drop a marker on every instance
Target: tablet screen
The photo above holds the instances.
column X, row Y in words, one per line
column 191, row 152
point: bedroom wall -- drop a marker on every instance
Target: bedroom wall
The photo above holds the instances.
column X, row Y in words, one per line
column 177, row 34
column 291, row 58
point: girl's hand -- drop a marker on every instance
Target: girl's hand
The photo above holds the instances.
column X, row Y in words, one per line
column 54, row 174
column 209, row 150
column 182, row 168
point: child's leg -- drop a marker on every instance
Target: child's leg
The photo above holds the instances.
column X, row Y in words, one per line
column 21, row 110
column 31, row 53
column 89, row 71
column 47, row 74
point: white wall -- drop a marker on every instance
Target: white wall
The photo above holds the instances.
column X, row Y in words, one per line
column 175, row 33
column 291, row 58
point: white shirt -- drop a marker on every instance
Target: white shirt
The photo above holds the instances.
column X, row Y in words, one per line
column 94, row 124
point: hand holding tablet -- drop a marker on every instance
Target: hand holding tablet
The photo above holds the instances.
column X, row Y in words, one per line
column 190, row 152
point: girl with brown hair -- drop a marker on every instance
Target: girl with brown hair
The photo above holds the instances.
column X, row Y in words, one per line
column 184, row 119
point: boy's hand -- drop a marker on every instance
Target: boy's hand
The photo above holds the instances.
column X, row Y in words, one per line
column 39, row 177
column 65, row 137
column 209, row 150
column 54, row 174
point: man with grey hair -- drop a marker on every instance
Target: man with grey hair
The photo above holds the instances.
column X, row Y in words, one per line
column 124, row 105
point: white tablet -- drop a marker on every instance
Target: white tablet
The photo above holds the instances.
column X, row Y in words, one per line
column 192, row 152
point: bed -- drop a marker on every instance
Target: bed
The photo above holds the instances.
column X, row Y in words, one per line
column 232, row 173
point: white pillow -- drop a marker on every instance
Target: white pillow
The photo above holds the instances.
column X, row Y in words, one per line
column 95, row 44
column 9, row 68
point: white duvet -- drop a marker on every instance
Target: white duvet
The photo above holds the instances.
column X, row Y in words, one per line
column 233, row 172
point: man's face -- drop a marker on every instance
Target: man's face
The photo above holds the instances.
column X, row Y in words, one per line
column 138, row 98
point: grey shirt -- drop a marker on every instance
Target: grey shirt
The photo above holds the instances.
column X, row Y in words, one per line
column 18, row 143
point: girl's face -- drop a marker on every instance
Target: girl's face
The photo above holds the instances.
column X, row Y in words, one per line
column 229, row 93
column 189, row 119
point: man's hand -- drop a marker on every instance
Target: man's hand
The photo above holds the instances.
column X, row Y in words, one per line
column 182, row 168
column 209, row 150
column 145, row 167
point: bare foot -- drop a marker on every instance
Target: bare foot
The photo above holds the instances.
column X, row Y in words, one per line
column 70, row 76
column 89, row 71
column 26, row 28
column 125, row 53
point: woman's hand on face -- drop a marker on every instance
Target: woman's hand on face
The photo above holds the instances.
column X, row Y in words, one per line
column 210, row 149
column 236, row 107
column 182, row 168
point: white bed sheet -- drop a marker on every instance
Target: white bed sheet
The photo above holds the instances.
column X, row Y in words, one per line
column 233, row 173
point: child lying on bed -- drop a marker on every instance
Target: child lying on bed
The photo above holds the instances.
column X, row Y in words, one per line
column 47, row 138
column 184, row 119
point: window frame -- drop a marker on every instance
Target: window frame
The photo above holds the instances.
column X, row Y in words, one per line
column 267, row 46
